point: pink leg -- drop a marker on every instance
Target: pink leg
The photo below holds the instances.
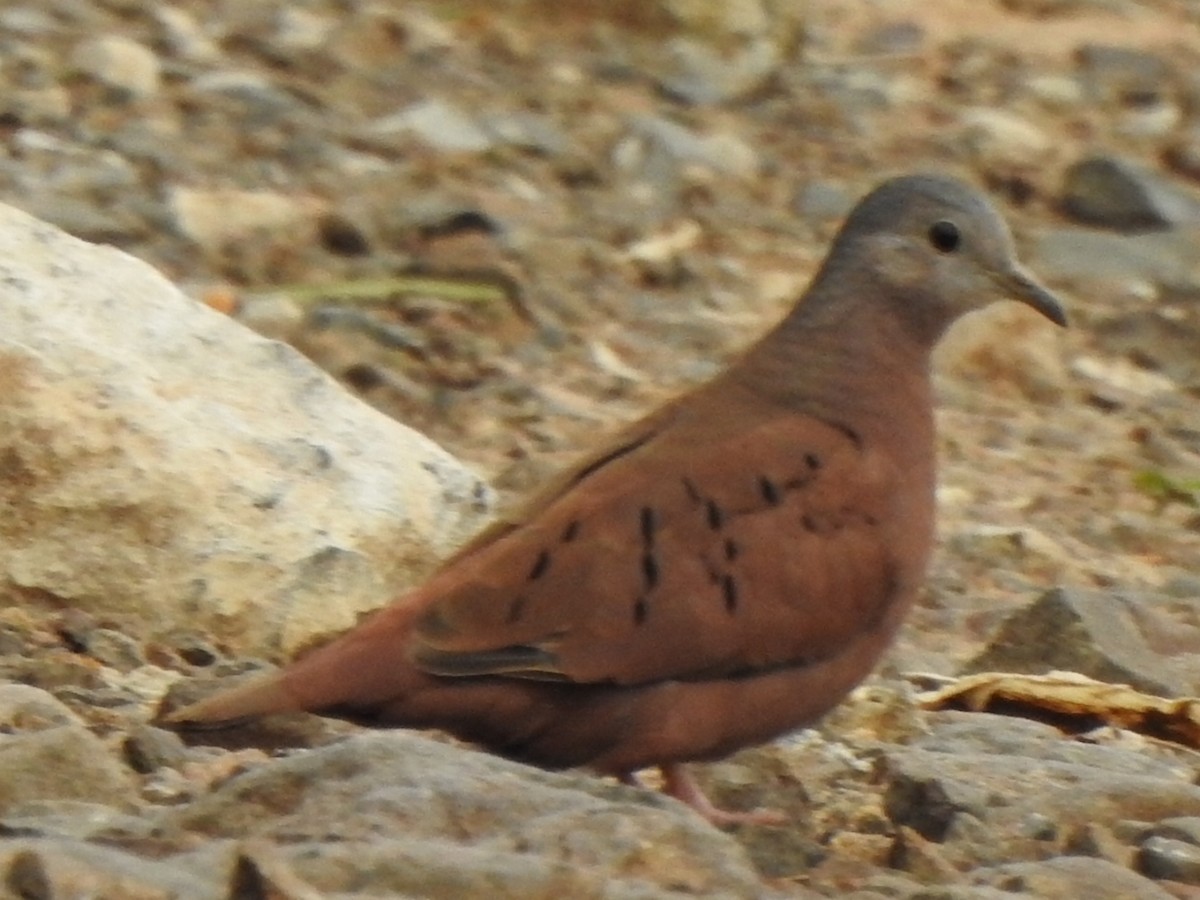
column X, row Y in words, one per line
column 678, row 783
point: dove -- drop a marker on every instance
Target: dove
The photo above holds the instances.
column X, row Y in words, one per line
column 726, row 569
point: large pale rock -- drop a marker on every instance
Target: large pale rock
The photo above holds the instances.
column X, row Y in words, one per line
column 990, row 790
column 120, row 63
column 67, row 762
column 220, row 218
column 161, row 463
column 63, row 866
column 414, row 817
column 1095, row 633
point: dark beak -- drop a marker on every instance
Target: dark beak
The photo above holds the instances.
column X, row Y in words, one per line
column 1018, row 284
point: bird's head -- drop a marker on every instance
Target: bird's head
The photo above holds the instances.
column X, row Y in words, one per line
column 934, row 248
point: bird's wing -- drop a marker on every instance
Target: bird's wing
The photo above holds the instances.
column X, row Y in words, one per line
column 683, row 552
column 622, row 443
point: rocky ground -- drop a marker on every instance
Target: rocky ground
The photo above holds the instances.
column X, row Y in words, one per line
column 513, row 225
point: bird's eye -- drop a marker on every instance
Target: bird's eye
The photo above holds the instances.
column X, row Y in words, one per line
column 944, row 236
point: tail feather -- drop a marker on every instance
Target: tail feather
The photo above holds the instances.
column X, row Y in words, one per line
column 262, row 695
column 363, row 669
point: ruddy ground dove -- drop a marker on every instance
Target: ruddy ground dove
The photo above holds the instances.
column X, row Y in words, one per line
column 729, row 566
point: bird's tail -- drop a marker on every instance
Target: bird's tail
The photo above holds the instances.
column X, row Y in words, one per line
column 261, row 695
column 363, row 668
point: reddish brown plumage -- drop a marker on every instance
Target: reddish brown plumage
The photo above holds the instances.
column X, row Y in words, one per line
column 727, row 568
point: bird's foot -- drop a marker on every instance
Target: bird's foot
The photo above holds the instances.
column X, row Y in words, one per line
column 679, row 783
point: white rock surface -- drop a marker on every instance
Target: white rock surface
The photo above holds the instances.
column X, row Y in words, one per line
column 216, row 218
column 120, row 63
column 1000, row 136
column 437, row 123
column 163, row 465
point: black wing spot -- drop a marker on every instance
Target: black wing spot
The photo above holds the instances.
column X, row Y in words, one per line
column 716, row 515
column 809, row 523
column 650, row 570
column 812, row 461
column 640, row 610
column 852, row 435
column 870, row 519
column 516, row 609
column 571, row 531
column 540, row 566
column 692, row 491
column 729, row 590
column 732, row 550
column 770, row 490
column 649, row 526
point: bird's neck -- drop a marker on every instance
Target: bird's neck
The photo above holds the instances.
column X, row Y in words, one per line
column 847, row 363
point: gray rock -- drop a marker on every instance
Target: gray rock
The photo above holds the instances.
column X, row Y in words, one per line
column 694, row 72
column 1071, row 877
column 924, row 859
column 1150, row 121
column 527, row 130
column 412, row 867
column 1092, row 633
column 79, row 819
column 299, row 30
column 273, row 315
column 120, row 63
column 259, row 101
column 722, row 152
column 176, row 467
column 62, row 867
column 436, row 122
column 426, row 33
column 1161, row 857
column 988, row 733
column 733, row 18
column 219, row 218
column 1082, row 254
column 891, row 39
column 66, row 762
column 1021, row 545
column 416, row 817
column 885, row 885
column 1055, row 91
column 857, row 92
column 105, row 645
column 1000, row 137
column 1184, row 828
column 27, row 20
column 80, row 217
column 1163, row 340
column 147, row 748
column 1121, row 194
column 972, row 892
column 48, row 106
column 1098, row 840
column 27, row 708
column 1122, row 75
column 978, row 781
column 183, row 36
column 821, row 201
column 930, row 804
